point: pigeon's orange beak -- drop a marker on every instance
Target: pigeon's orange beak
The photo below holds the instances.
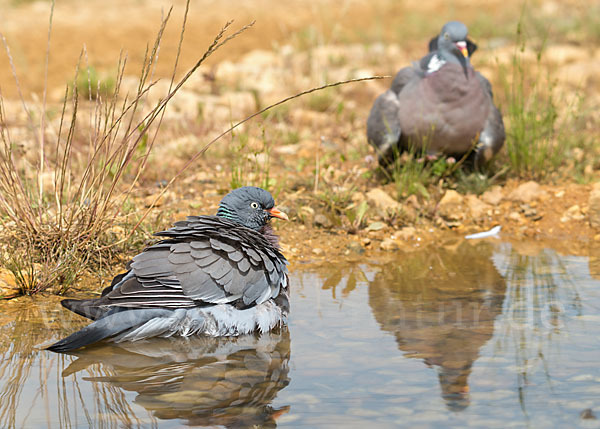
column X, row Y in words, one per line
column 462, row 47
column 278, row 214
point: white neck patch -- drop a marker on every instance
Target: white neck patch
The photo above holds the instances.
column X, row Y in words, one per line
column 435, row 63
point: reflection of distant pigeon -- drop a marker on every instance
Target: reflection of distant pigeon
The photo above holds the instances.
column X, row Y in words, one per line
column 441, row 306
column 227, row 382
column 439, row 105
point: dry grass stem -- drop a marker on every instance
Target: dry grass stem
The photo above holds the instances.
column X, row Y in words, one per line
column 61, row 225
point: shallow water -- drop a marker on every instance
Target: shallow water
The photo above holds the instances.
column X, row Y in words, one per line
column 482, row 334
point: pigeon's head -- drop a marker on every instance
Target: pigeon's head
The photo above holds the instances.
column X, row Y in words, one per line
column 250, row 206
column 452, row 43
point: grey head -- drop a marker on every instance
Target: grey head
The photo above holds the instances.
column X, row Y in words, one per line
column 471, row 46
column 250, row 206
column 452, row 44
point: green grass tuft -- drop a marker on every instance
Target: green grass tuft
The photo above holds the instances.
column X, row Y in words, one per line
column 539, row 119
column 322, row 101
column 91, row 85
column 250, row 163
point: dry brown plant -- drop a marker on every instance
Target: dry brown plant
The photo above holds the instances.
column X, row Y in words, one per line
column 57, row 211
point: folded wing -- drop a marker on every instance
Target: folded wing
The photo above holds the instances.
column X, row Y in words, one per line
column 205, row 260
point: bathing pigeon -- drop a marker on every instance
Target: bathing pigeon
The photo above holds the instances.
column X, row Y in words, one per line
column 220, row 275
column 438, row 105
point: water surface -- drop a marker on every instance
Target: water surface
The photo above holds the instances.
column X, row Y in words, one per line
column 481, row 334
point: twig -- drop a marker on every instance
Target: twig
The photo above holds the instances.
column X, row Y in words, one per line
column 317, row 165
column 43, row 115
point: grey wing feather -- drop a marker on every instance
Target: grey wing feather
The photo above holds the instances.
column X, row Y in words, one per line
column 218, row 269
column 236, row 255
column 134, row 294
column 237, row 284
column 487, row 86
column 275, row 290
column 383, row 126
column 180, row 258
column 197, row 245
column 215, row 244
column 180, row 247
column 268, row 263
column 408, row 74
column 493, row 134
column 226, row 246
column 256, row 290
column 491, row 137
column 200, row 254
column 244, row 265
column 227, row 277
column 255, row 258
column 199, row 285
column 207, row 259
column 231, row 268
column 274, row 276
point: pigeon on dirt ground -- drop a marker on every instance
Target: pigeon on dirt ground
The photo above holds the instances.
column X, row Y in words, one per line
column 220, row 275
column 439, row 105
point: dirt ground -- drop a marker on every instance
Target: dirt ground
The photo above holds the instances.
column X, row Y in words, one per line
column 318, row 162
column 561, row 221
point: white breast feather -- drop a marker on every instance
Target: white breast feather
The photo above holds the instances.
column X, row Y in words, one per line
column 435, row 63
column 215, row 321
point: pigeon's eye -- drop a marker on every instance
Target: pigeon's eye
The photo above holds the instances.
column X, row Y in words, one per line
column 254, row 205
column 446, row 36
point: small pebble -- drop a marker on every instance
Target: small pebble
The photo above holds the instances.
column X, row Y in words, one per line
column 587, row 414
column 323, row 221
column 376, row 226
column 389, row 244
column 355, row 247
column 514, row 216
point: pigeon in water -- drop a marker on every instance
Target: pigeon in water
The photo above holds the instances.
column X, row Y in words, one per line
column 220, row 275
column 438, row 105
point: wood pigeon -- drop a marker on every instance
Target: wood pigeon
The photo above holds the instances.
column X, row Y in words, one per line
column 220, row 275
column 439, row 105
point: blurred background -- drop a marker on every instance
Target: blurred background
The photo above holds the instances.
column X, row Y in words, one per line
column 106, row 27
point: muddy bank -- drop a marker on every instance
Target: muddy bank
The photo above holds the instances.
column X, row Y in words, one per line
column 560, row 217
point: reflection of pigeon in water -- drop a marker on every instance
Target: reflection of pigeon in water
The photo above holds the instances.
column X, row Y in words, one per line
column 217, row 275
column 440, row 105
column 227, row 382
column 441, row 306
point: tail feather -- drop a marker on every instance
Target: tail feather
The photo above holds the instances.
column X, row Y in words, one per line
column 84, row 307
column 107, row 327
column 93, row 308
